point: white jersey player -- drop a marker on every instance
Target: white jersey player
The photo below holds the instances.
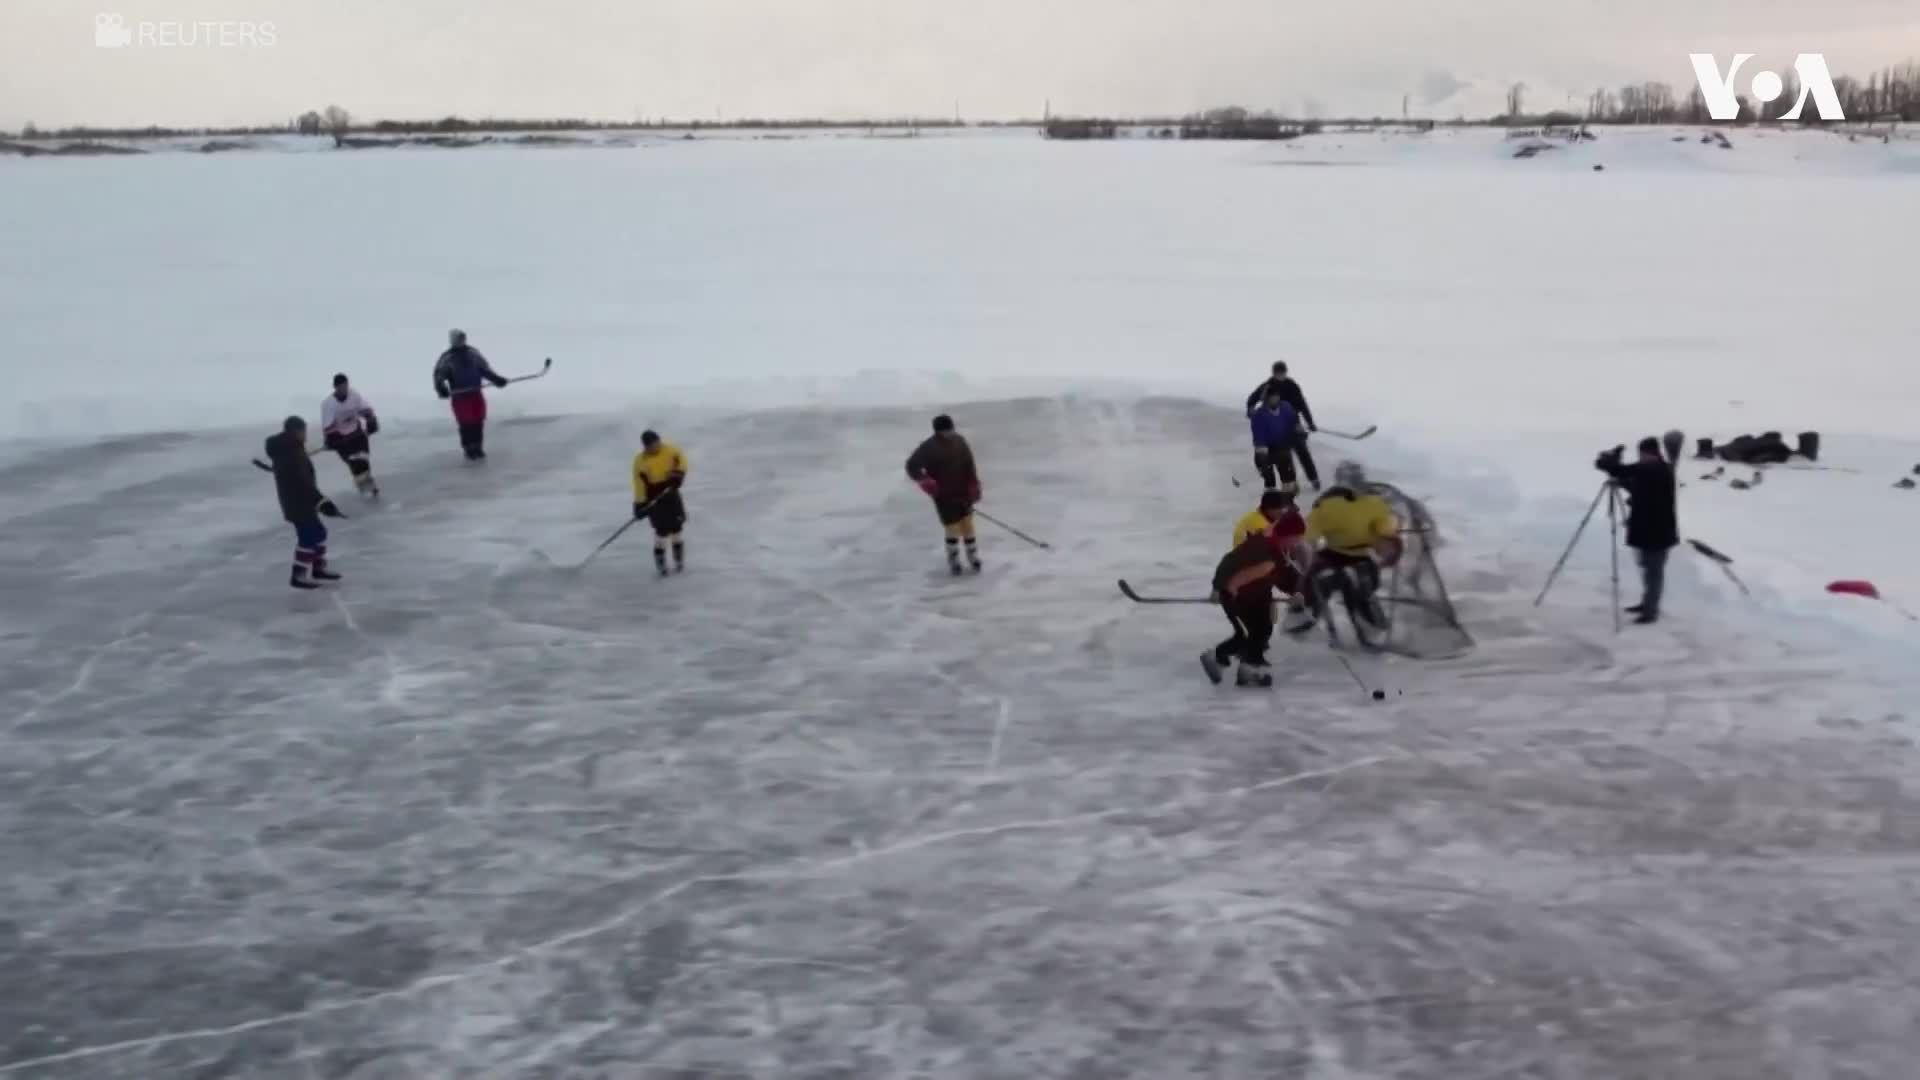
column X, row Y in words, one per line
column 346, row 421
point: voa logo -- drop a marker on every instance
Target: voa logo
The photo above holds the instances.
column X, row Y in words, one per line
column 1724, row 104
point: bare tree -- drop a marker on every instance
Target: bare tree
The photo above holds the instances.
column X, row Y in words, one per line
column 338, row 122
column 1696, row 111
column 1633, row 105
column 1660, row 102
column 28, row 131
column 310, row 123
column 1516, row 100
column 1906, row 87
column 1848, row 90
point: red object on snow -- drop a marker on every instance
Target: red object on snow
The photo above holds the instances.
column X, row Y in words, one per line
column 1855, row 588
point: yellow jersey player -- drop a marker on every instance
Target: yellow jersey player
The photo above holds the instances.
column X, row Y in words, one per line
column 1353, row 532
column 658, row 471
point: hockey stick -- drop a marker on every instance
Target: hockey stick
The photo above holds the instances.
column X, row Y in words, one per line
column 1723, row 561
column 1042, row 544
column 1357, row 680
column 311, row 450
column 544, row 368
column 604, row 544
column 1127, row 591
column 1356, row 436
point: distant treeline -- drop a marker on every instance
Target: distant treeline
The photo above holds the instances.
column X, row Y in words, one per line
column 338, row 122
column 1892, row 93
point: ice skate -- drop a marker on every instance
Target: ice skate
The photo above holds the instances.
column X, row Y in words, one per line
column 1211, row 665
column 1253, row 676
column 300, row 580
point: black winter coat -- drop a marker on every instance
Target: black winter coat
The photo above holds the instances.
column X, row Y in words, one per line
column 462, row 370
column 1653, row 518
column 1290, row 393
column 293, row 480
column 949, row 460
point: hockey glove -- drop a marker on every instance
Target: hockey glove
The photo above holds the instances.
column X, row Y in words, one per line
column 642, row 509
column 445, row 394
column 327, row 509
column 372, row 421
column 929, row 485
column 499, row 381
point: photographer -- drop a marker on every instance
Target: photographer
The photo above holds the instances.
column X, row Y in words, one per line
column 1653, row 522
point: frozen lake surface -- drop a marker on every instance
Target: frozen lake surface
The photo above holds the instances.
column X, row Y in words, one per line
column 816, row 810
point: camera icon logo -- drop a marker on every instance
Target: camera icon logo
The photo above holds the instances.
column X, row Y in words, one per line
column 110, row 31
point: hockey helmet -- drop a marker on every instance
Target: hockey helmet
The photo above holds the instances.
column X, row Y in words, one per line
column 1350, row 474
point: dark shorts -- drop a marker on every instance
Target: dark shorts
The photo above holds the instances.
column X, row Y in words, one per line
column 669, row 514
column 348, row 445
column 952, row 511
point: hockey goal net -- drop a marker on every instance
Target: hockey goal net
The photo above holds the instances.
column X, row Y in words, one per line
column 1421, row 621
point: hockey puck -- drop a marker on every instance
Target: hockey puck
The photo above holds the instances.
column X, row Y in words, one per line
column 1379, row 695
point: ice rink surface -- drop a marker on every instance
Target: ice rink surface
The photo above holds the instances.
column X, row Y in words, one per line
column 817, row 810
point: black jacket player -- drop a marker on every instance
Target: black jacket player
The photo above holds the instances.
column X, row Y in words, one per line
column 943, row 467
column 301, row 504
column 1290, row 393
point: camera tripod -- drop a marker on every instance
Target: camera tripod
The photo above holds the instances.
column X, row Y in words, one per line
column 1609, row 493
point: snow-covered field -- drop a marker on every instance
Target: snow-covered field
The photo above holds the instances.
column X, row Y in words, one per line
column 816, row 810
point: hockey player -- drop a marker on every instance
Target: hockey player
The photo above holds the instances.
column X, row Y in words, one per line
column 460, row 376
column 1278, row 515
column 1274, row 424
column 658, row 471
column 1291, row 393
column 1243, row 583
column 1276, row 512
column 943, row 467
column 1354, row 532
column 301, row 504
column 346, row 424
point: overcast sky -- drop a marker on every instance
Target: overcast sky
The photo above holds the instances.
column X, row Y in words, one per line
column 623, row 59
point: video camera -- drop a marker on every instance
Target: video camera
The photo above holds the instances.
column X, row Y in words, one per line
column 1611, row 459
